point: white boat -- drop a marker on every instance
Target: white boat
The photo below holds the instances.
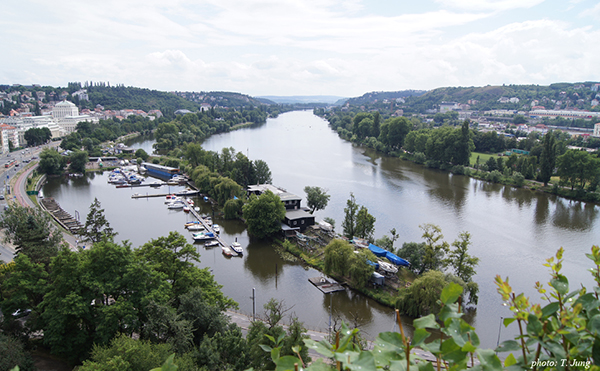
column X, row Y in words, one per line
column 186, row 209
column 187, row 192
column 195, row 227
column 387, row 267
column 176, row 205
column 237, row 248
column 227, row 251
column 216, row 228
column 173, row 198
column 197, row 209
column 211, row 243
column 203, row 236
column 191, row 223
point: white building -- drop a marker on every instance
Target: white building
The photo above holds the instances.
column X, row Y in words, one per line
column 67, row 117
column 8, row 134
column 63, row 109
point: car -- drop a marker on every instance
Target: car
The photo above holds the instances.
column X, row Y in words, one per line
column 21, row 313
column 1, row 197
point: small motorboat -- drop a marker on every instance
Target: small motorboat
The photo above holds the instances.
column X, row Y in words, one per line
column 211, row 243
column 203, row 236
column 186, row 209
column 195, row 227
column 176, row 205
column 237, row 248
column 216, row 228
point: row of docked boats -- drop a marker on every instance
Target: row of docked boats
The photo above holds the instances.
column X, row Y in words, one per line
column 125, row 175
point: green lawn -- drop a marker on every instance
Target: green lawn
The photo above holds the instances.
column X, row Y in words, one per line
column 483, row 157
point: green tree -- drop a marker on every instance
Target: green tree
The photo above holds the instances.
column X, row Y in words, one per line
column 360, row 270
column 336, row 257
column 264, row 214
column 233, row 209
column 464, row 264
column 140, row 153
column 78, row 161
column 547, row 158
column 435, row 248
column 394, row 131
column 51, row 162
column 365, row 224
column 577, row 168
column 176, row 259
column 32, row 233
column 13, row 354
column 422, row 296
column 263, row 174
column 97, row 228
column 414, row 253
column 316, row 198
column 125, row 353
column 350, row 211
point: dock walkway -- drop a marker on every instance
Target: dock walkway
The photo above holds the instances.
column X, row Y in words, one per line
column 206, row 226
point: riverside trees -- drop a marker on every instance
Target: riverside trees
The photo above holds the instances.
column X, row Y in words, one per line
column 316, row 198
column 264, row 214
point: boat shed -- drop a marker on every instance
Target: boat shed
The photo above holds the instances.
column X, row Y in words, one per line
column 377, row 279
column 299, row 219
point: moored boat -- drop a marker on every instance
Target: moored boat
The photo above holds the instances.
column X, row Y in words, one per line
column 203, row 236
column 211, row 243
column 195, row 227
column 237, row 248
column 176, row 205
column 216, row 228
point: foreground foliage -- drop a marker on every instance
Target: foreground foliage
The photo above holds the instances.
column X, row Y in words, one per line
column 564, row 334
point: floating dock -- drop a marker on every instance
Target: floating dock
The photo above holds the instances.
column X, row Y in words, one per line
column 326, row 285
column 62, row 217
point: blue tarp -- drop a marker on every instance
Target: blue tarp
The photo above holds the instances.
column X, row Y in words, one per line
column 396, row 260
column 376, row 265
column 378, row 251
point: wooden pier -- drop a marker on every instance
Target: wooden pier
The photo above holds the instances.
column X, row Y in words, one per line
column 326, row 285
column 147, row 195
column 62, row 217
column 207, row 227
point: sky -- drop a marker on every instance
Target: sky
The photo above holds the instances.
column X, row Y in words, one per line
column 299, row 47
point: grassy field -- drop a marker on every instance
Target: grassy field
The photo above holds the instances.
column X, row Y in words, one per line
column 483, row 157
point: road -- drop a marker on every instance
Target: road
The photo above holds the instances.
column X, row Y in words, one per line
column 18, row 192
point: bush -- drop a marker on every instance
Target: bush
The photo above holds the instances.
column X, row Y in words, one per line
column 458, row 169
column 420, row 158
column 494, row 177
column 518, row 178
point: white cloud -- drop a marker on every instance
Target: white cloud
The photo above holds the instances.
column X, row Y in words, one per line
column 490, row 5
column 293, row 46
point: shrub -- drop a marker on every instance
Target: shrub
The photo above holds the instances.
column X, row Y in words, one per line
column 420, row 158
column 495, row 176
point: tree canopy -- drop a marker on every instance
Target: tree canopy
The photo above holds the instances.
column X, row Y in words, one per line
column 264, row 214
column 316, row 198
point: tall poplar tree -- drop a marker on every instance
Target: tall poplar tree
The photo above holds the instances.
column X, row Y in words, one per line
column 547, row 158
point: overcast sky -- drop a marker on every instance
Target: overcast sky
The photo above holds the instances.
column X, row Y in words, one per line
column 299, row 47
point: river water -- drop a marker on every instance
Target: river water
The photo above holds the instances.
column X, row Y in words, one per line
column 513, row 231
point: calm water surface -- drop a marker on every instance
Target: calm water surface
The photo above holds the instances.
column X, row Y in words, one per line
column 513, row 231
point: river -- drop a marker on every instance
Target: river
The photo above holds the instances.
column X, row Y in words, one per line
column 513, row 231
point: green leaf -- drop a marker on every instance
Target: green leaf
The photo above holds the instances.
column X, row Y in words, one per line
column 266, row 348
column 275, row 352
column 508, row 346
column 287, row 363
column 534, row 326
column 468, row 347
column 560, row 284
column 426, row 322
column 419, row 336
column 322, row 347
column 509, row 360
column 550, row 309
column 594, row 325
column 489, row 360
column 450, row 293
column 452, row 352
column 508, row 321
column 364, row 362
column 588, row 302
column 596, row 350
